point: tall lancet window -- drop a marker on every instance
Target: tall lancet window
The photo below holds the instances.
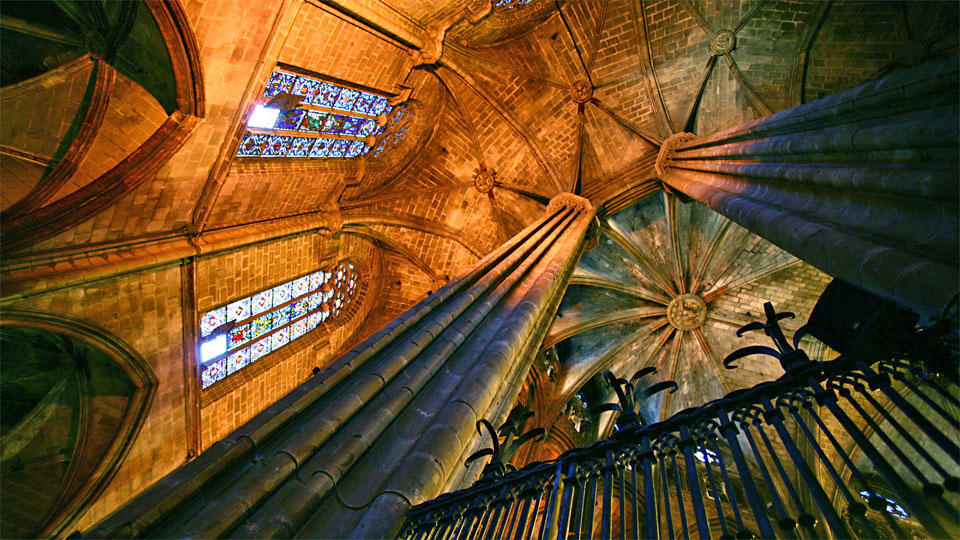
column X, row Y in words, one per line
column 304, row 116
column 241, row 332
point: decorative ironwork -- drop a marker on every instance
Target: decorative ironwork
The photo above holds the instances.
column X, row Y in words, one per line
column 502, row 451
column 780, row 460
column 630, row 400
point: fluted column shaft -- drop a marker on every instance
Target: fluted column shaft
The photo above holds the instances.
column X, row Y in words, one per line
column 862, row 184
column 387, row 425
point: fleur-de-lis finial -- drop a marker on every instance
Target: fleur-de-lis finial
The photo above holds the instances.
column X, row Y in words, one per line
column 629, row 406
column 503, row 451
column 788, row 355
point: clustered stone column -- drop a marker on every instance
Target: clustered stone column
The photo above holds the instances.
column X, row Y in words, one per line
column 862, row 184
column 387, row 425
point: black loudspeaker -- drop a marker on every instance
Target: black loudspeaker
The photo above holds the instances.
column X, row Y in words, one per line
column 859, row 324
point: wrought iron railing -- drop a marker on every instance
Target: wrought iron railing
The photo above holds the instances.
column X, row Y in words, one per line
column 837, row 449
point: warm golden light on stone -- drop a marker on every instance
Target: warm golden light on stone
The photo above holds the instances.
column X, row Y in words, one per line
column 687, row 312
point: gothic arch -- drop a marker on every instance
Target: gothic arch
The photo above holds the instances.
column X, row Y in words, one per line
column 72, row 390
column 21, row 231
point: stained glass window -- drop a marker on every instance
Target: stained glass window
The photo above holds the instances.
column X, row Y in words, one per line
column 396, row 128
column 893, row 508
column 509, row 4
column 336, row 121
column 241, row 332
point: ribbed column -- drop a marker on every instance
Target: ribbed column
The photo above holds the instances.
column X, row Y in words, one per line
column 385, row 426
column 862, row 184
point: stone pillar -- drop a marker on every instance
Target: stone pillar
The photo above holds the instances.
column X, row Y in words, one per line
column 862, row 184
column 386, row 426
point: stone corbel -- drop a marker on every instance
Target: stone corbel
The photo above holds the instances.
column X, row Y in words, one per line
column 403, row 94
column 668, row 149
column 569, row 200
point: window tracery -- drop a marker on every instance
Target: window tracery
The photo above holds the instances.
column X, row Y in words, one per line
column 509, row 4
column 241, row 332
column 304, row 117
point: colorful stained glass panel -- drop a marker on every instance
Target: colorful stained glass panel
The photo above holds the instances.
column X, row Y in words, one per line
column 290, row 120
column 321, row 148
column 279, row 82
column 378, row 106
column 298, row 329
column 260, row 349
column 308, row 88
column 327, row 95
column 300, row 147
column 237, row 360
column 346, row 99
column 213, row 373
column 252, row 145
column 313, row 122
column 211, row 320
column 238, row 310
column 301, row 286
column 261, row 302
column 238, row 336
column 299, row 308
column 281, row 294
column 281, row 316
column 364, row 102
column 280, row 338
column 355, row 149
column 260, row 325
column 316, row 279
column 277, row 146
column 338, row 149
column 313, row 320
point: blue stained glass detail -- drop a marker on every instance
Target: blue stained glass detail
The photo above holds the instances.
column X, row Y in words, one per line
column 346, row 99
column 364, row 102
column 277, row 146
column 378, row 106
column 316, row 279
column 321, row 148
column 368, row 127
column 351, row 125
column 290, row 120
column 327, row 95
column 213, row 373
column 313, row 320
column 338, row 149
column 281, row 316
column 301, row 147
column 315, row 300
column 894, row 508
column 308, row 88
column 252, row 145
column 355, row 149
column 279, row 82
column 260, row 326
column 331, row 124
column 238, row 360
column 300, row 308
column 313, row 122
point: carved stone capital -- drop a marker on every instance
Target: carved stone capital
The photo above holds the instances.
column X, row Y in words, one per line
column 668, row 148
column 568, row 200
